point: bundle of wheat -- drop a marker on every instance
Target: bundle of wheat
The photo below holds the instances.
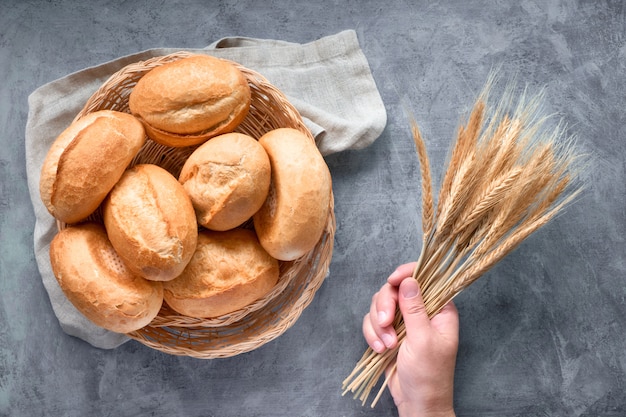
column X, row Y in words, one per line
column 510, row 172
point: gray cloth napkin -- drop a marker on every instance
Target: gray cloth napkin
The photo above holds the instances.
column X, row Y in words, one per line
column 327, row 80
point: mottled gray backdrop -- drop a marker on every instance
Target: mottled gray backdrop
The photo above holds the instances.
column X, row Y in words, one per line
column 542, row 334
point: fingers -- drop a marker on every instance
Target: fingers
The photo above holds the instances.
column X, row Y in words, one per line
column 384, row 306
column 377, row 324
column 445, row 322
column 403, row 291
column 401, row 272
column 371, row 337
column 412, row 308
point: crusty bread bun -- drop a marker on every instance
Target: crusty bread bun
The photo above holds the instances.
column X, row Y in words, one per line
column 228, row 271
column 188, row 101
column 86, row 160
column 151, row 223
column 227, row 179
column 293, row 217
column 98, row 284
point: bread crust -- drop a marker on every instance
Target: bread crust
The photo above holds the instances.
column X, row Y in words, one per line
column 227, row 179
column 228, row 271
column 86, row 160
column 188, row 101
column 294, row 215
column 151, row 223
column 98, row 283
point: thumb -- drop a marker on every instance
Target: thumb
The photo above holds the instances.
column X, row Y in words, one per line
column 412, row 308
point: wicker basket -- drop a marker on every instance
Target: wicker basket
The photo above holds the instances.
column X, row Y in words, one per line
column 267, row 318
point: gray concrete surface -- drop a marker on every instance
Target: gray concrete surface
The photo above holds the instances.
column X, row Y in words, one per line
column 542, row 334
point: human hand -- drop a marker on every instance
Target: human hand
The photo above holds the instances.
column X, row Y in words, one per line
column 422, row 383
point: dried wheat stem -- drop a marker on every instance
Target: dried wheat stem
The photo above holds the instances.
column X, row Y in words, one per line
column 390, row 373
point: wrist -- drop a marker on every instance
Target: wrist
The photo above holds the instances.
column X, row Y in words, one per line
column 408, row 410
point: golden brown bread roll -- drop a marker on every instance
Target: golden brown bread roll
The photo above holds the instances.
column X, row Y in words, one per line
column 151, row 223
column 98, row 284
column 292, row 219
column 188, row 101
column 228, row 271
column 227, row 179
column 85, row 162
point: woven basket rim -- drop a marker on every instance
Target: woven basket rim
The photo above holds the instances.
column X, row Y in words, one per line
column 176, row 334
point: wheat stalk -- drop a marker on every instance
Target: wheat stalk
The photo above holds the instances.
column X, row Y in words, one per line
column 508, row 175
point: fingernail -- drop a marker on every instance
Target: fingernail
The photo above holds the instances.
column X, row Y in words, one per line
column 387, row 339
column 382, row 316
column 410, row 289
column 378, row 346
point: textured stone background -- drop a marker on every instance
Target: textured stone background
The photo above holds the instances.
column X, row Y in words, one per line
column 543, row 334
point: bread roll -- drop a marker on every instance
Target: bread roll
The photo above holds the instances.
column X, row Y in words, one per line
column 228, row 271
column 98, row 284
column 86, row 160
column 293, row 217
column 227, row 179
column 151, row 223
column 187, row 101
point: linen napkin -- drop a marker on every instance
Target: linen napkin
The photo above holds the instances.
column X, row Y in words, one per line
column 328, row 81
